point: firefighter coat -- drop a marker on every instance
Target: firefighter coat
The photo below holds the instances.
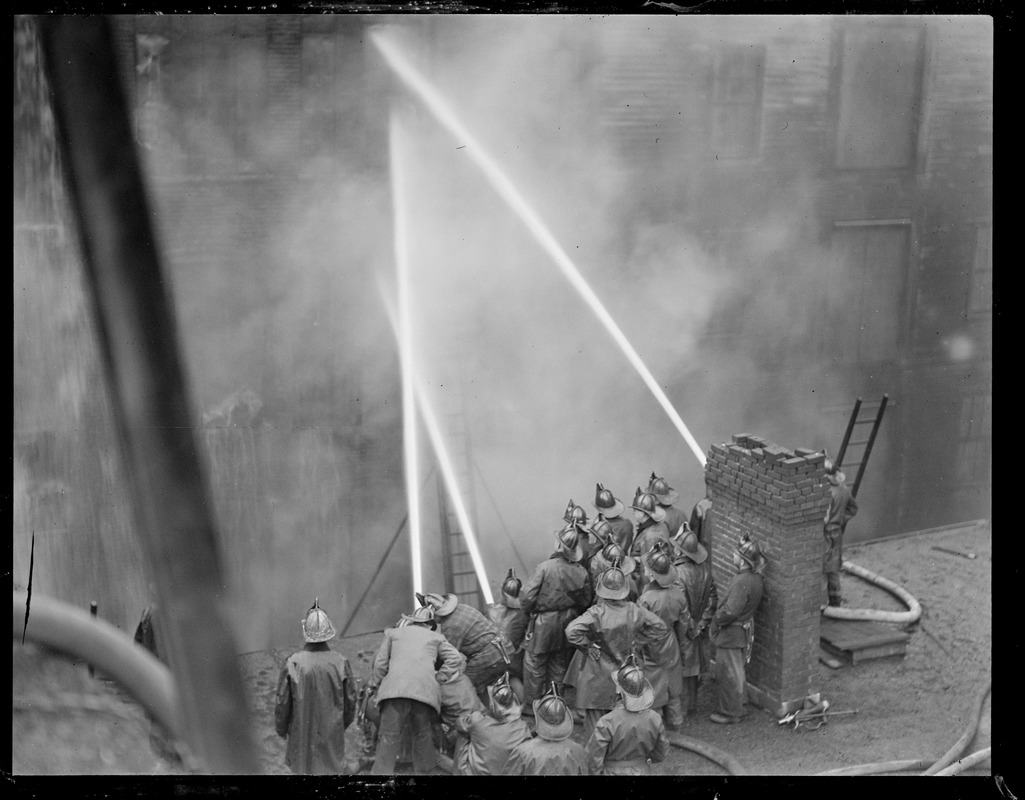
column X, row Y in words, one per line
column 556, row 592
column 624, row 625
column 623, row 741
column 539, row 756
column 314, row 704
column 646, row 538
column 674, row 519
column 622, row 532
column 404, row 665
column 490, row 743
column 737, row 608
column 458, row 698
column 699, row 586
column 664, row 667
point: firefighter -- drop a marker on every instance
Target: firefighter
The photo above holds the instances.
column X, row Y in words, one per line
column 612, row 510
column 604, row 635
column 609, row 554
column 552, row 751
column 631, row 736
column 576, row 516
column 557, row 592
column 489, row 740
column 664, row 596
column 508, row 616
column 842, row 507
column 666, row 496
column 487, row 650
column 458, row 698
column 732, row 631
column 315, row 700
column 699, row 516
column 406, row 683
column 651, row 526
column 694, row 572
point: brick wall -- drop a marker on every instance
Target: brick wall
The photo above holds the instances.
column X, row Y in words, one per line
column 779, row 496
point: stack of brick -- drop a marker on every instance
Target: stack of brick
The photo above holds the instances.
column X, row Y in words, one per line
column 779, row 496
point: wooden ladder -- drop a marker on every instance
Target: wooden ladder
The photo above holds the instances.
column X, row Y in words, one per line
column 460, row 576
column 862, row 447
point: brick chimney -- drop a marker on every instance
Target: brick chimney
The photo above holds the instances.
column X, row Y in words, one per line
column 779, row 496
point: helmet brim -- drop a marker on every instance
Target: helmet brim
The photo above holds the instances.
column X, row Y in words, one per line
column 611, row 513
column 698, row 557
column 659, row 514
column 669, row 498
column 635, row 703
column 666, row 580
column 552, row 733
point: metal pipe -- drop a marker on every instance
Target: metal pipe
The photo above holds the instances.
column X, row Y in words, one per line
column 138, row 343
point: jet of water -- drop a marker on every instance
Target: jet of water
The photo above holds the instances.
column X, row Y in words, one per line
column 404, row 333
column 441, row 111
column 445, row 463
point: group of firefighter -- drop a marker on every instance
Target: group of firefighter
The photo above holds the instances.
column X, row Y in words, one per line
column 614, row 630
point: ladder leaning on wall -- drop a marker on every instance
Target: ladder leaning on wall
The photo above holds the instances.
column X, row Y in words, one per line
column 862, row 448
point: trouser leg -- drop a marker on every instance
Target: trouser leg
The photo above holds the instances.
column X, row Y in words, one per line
column 394, row 715
column 535, row 667
column 691, row 686
column 558, row 663
column 425, row 755
column 833, row 588
column 729, row 681
column 673, row 711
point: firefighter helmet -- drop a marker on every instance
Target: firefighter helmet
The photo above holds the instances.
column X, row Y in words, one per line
column 692, row 548
column 568, row 540
column 665, row 493
column 749, row 550
column 511, row 590
column 442, row 605
column 601, row 529
column 613, row 553
column 317, row 625
column 575, row 514
column 552, row 717
column 613, row 584
column 503, row 700
column 606, row 503
column 633, row 686
column 660, row 564
column 648, row 504
column 422, row 616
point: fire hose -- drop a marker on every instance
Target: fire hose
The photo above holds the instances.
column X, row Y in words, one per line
column 913, row 613
column 75, row 632
column 939, row 767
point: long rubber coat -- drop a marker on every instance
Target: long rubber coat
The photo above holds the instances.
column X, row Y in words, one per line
column 623, row 624
column 314, row 704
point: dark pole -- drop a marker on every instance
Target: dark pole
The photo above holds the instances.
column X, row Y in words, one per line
column 139, row 345
column 94, row 608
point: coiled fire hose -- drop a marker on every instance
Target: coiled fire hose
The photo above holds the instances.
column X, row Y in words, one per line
column 940, row 767
column 913, row 613
column 74, row 631
column 720, row 757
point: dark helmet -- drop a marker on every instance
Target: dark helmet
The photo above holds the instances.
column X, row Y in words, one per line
column 749, row 550
column 648, row 503
column 601, row 529
column 317, row 625
column 612, row 551
column 553, row 718
column 568, row 539
column 511, row 585
column 660, row 563
column 575, row 514
column 613, row 584
column 665, row 493
column 502, row 694
column 630, row 678
column 605, row 501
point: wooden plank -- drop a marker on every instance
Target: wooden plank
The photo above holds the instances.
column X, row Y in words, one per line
column 859, row 634
column 897, row 649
